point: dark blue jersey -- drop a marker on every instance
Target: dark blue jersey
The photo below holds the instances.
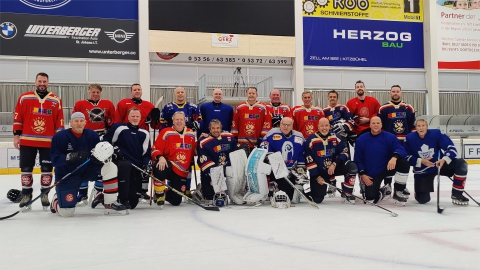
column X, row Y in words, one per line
column 430, row 146
column 215, row 151
column 321, row 151
column 191, row 111
column 133, row 142
column 339, row 113
column 290, row 146
column 398, row 119
column 221, row 111
column 372, row 153
column 65, row 142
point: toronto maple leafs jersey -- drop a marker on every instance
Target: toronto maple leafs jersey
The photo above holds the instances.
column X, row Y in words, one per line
column 322, row 151
column 398, row 119
column 429, row 147
column 290, row 146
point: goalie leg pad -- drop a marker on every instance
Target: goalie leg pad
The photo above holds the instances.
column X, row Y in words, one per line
column 257, row 172
column 235, row 175
column 218, row 179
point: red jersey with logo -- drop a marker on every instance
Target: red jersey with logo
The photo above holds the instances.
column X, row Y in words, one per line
column 305, row 120
column 38, row 119
column 124, row 105
column 366, row 108
column 250, row 122
column 98, row 115
column 176, row 148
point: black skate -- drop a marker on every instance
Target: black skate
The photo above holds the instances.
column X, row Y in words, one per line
column 406, row 192
column 45, row 201
column 115, row 208
column 386, row 190
column 399, row 199
column 458, row 198
column 144, row 198
column 82, row 200
column 26, row 198
column 97, row 200
column 127, row 205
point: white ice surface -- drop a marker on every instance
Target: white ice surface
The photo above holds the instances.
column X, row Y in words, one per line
column 336, row 236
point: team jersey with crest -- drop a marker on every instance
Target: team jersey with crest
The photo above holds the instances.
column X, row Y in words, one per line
column 177, row 148
column 38, row 119
column 398, row 119
column 306, row 119
column 191, row 111
column 428, row 147
column 98, row 115
column 366, row 108
column 290, row 145
column 277, row 112
column 250, row 122
column 339, row 113
column 124, row 105
column 213, row 151
column 321, row 151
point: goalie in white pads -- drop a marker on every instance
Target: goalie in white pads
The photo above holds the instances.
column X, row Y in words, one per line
column 70, row 148
column 289, row 143
column 213, row 155
column 327, row 155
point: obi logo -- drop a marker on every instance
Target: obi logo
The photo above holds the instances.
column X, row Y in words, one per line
column 119, row 35
column 9, row 30
column 310, row 118
column 397, row 115
column 388, row 38
column 44, row 4
column 251, row 116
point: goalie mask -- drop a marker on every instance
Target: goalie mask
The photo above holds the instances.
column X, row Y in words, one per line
column 280, row 200
column 220, row 199
column 103, row 151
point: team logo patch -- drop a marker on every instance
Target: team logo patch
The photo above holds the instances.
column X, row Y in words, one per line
column 8, row 30
column 277, row 137
column 181, row 157
column 26, row 180
column 46, row 180
column 39, row 125
column 398, row 127
column 69, row 197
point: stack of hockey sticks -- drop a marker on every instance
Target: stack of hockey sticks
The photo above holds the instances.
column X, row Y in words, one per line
column 45, row 191
column 211, row 208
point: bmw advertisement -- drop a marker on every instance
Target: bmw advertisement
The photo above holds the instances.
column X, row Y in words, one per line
column 40, row 31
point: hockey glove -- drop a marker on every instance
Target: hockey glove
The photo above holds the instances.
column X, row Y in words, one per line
column 193, row 125
column 117, row 154
column 77, row 156
column 276, row 121
column 340, row 129
column 14, row 195
column 148, row 170
column 155, row 115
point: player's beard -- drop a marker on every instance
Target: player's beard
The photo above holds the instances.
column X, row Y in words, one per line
column 395, row 98
column 360, row 93
column 42, row 88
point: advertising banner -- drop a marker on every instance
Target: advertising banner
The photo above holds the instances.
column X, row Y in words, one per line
column 60, row 36
column 363, row 33
column 458, row 34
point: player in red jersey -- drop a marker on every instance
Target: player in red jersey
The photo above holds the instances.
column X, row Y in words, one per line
column 37, row 117
column 277, row 109
column 363, row 108
column 306, row 116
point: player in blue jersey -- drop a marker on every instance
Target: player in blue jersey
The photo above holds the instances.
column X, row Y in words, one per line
column 326, row 156
column 70, row 148
column 289, row 142
column 379, row 154
column 423, row 148
column 340, row 118
column 398, row 118
column 216, row 110
column 213, row 150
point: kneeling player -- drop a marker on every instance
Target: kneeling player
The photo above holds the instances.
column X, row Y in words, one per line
column 173, row 153
column 70, row 148
column 213, row 150
column 327, row 155
column 423, row 148
column 379, row 154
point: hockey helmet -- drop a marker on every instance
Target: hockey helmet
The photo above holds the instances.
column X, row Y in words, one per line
column 103, row 151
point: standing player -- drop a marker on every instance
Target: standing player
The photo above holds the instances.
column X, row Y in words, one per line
column 363, row 108
column 213, row 150
column 216, row 110
column 398, row 118
column 289, row 142
column 173, row 153
column 37, row 117
column 306, row 117
column 100, row 114
column 379, row 154
column 340, row 118
column 326, row 156
column 71, row 148
column 251, row 121
column 133, row 143
column 149, row 116
column 277, row 109
column 423, row 148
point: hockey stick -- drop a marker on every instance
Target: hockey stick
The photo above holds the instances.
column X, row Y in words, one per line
column 439, row 209
column 467, row 194
column 24, row 209
column 301, row 193
column 158, row 102
column 212, row 208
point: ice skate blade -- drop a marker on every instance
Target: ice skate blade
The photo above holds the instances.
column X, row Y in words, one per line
column 459, row 203
column 109, row 212
column 399, row 203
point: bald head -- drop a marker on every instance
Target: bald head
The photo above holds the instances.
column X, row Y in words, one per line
column 324, row 126
column 217, row 95
column 375, row 125
column 179, row 93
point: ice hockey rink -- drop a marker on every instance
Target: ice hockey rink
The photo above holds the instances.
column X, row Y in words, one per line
column 336, row 236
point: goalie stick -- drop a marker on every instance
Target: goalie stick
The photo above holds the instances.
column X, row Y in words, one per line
column 467, row 194
column 439, row 209
column 24, row 209
column 211, row 208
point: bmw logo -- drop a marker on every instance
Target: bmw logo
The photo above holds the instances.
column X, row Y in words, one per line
column 9, row 30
